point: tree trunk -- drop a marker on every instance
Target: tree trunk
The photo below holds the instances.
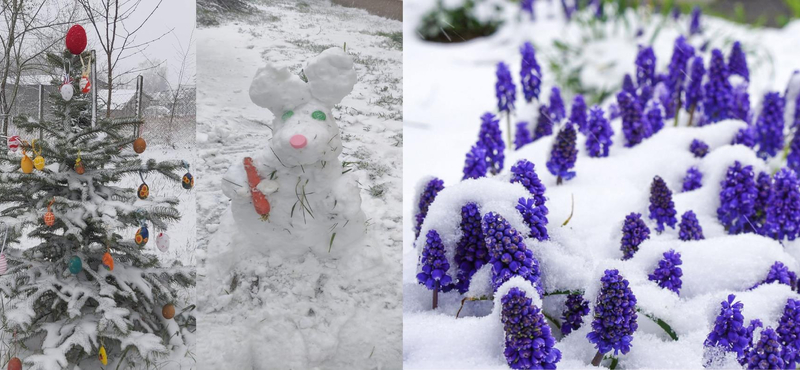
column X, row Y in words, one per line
column 15, row 9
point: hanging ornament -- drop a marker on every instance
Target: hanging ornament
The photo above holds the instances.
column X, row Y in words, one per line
column 168, row 311
column 144, row 190
column 102, row 356
column 76, row 39
column 162, row 242
column 75, row 265
column 14, row 142
column 108, row 261
column 142, row 235
column 188, row 179
column 49, row 217
column 139, row 145
column 79, row 165
column 67, row 91
column 26, row 163
column 15, row 364
column 260, row 201
column 86, row 85
column 38, row 161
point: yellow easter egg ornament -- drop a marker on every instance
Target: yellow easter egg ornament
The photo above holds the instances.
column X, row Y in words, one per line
column 102, row 356
column 26, row 163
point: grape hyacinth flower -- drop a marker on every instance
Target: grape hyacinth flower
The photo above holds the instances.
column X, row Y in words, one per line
column 767, row 353
column 614, row 316
column 718, row 91
column 563, row 155
column 578, row 113
column 634, row 232
column 783, row 206
column 690, row 228
column 544, row 124
column 655, row 119
column 764, row 187
column 676, row 13
column 662, row 209
column 668, row 274
column 699, row 148
column 524, row 172
column 572, row 318
column 523, row 136
column 471, row 252
column 425, row 200
column 508, row 254
column 737, row 62
column 504, row 89
column 475, row 164
column 613, row 111
column 789, row 332
column 769, row 126
column 529, row 343
column 681, row 52
column 646, row 67
column 693, row 179
column 694, row 27
column 557, row 110
column 793, row 159
column 737, row 198
column 598, row 133
column 527, row 7
column 434, row 266
column 535, row 217
column 633, row 125
column 530, row 71
column 628, row 86
column 492, row 140
column 694, row 88
column 741, row 103
column 729, row 332
column 781, row 274
column 745, row 136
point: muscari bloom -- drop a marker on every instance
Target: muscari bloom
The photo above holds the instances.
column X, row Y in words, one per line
column 564, row 153
column 508, row 254
column 737, row 198
column 491, row 139
column 646, row 67
column 634, row 232
column 783, row 206
column 578, row 113
column 681, row 52
column 628, row 86
column 557, row 110
column 529, row 343
column 613, row 111
column 764, row 187
column 690, row 228
column 699, row 148
column 740, row 108
column 745, row 136
column 471, row 252
column 614, row 315
column 523, row 136
column 781, row 274
column 633, row 124
column 662, row 209
column 694, row 27
column 737, row 62
column 572, row 318
column 769, row 126
column 535, row 217
column 425, row 200
column 729, row 332
column 544, row 124
column 768, row 353
column 524, row 172
column 598, row 133
column 668, row 274
column 434, row 264
column 530, row 72
column 527, row 7
column 655, row 119
column 789, row 332
column 718, row 91
column 693, row 179
column 504, row 89
column 694, row 88
column 475, row 164
column 793, row 159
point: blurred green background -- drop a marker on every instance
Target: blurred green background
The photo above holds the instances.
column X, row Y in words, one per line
column 762, row 13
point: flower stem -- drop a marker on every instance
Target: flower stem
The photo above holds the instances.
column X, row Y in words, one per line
column 436, row 296
column 508, row 124
column 677, row 109
column 691, row 114
column 597, row 358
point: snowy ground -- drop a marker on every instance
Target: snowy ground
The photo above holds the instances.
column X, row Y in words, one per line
column 257, row 310
column 450, row 86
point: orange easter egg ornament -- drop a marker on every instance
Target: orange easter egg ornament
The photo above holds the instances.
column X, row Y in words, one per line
column 139, row 145
column 168, row 311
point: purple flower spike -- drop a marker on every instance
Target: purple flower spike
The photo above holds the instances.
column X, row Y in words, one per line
column 646, row 67
column 699, row 148
column 789, row 332
column 729, row 332
column 678, row 70
column 475, row 164
column 693, row 179
column 633, row 125
column 530, row 72
column 662, row 209
column 793, row 160
column 471, row 251
column 655, row 119
column 768, row 353
column 425, row 200
column 535, row 217
column 783, row 207
column 529, row 343
column 598, row 133
column 737, row 198
column 668, row 274
column 527, row 7
column 544, row 124
column 523, row 136
column 628, row 86
column 524, row 172
column 634, row 232
column 563, row 155
column 689, row 228
column 694, row 27
column 491, row 139
column 781, row 274
column 614, row 315
column 434, row 264
column 509, row 255
column 718, row 91
column 578, row 113
column 741, row 103
column 745, row 136
column 737, row 62
column 557, row 110
column 504, row 89
column 769, row 126
column 694, row 88
column 572, row 318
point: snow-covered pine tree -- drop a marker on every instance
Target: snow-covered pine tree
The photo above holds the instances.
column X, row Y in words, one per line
column 63, row 318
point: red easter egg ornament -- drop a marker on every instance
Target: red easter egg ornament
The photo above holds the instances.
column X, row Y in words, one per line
column 15, row 364
column 76, row 39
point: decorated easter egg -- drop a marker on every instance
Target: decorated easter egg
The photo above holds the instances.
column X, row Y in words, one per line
column 86, row 84
column 162, row 242
column 139, row 145
column 168, row 311
column 14, row 364
column 142, row 236
column 49, row 218
column 102, row 356
column 108, row 261
column 79, row 167
column 67, row 91
column 75, row 265
column 144, row 191
column 14, row 142
column 38, row 162
column 76, row 39
column 188, row 181
column 26, row 164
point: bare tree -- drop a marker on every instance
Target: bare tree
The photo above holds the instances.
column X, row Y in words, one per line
column 111, row 22
column 178, row 88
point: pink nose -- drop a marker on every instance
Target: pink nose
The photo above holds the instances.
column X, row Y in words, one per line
column 298, row 141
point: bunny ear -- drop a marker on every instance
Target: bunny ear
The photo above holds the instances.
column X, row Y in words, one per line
column 278, row 90
column 331, row 76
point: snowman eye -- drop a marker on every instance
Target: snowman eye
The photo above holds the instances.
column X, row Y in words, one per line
column 287, row 115
column 318, row 115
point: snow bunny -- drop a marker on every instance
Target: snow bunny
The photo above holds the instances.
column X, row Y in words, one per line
column 311, row 205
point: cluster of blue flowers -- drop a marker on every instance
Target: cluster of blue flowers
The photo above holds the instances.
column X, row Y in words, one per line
column 767, row 353
column 529, row 343
column 662, row 209
column 628, row 86
column 793, row 159
column 509, row 255
column 434, row 264
column 699, row 148
column 530, row 72
column 789, row 332
column 741, row 103
column 646, row 67
column 783, row 206
column 668, row 274
column 729, row 332
column 544, row 124
column 781, row 274
column 693, row 179
column 475, row 164
column 689, row 227
column 737, row 198
column 575, row 309
column 471, row 252
column 535, row 217
column 764, row 188
column 557, row 110
column 522, row 136
column 694, row 89
column 718, row 90
column 770, row 126
column 577, row 113
column 655, row 119
column 505, row 90
column 564, row 153
column 598, row 133
column 681, row 53
column 491, row 139
column 737, row 61
column 634, row 232
column 633, row 124
column 745, row 136
column 524, row 172
column 425, row 200
column 614, row 315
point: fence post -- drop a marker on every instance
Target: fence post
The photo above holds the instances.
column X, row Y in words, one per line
column 94, row 88
column 41, row 110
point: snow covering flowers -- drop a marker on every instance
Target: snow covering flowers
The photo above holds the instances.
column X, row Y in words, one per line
column 737, row 61
column 633, row 125
column 509, row 255
column 529, row 344
column 693, row 179
column 557, row 110
column 783, row 206
column 564, row 153
column 646, row 67
column 530, row 72
column 729, row 332
column 678, row 71
column 668, row 274
column 634, row 232
column 535, row 217
column 767, row 353
column 432, row 188
column 544, row 125
column 662, row 209
column 789, row 332
column 614, row 315
column 524, row 172
column 689, row 228
column 694, row 88
column 699, row 148
column 779, row 273
column 577, row 113
column 718, row 90
column 475, row 164
column 505, row 90
column 471, row 252
column 522, row 136
column 434, row 264
column 491, row 138
column 598, row 133
column 737, row 198
column 572, row 318
column 769, row 126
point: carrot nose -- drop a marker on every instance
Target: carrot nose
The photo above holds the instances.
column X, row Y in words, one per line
column 298, row 141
